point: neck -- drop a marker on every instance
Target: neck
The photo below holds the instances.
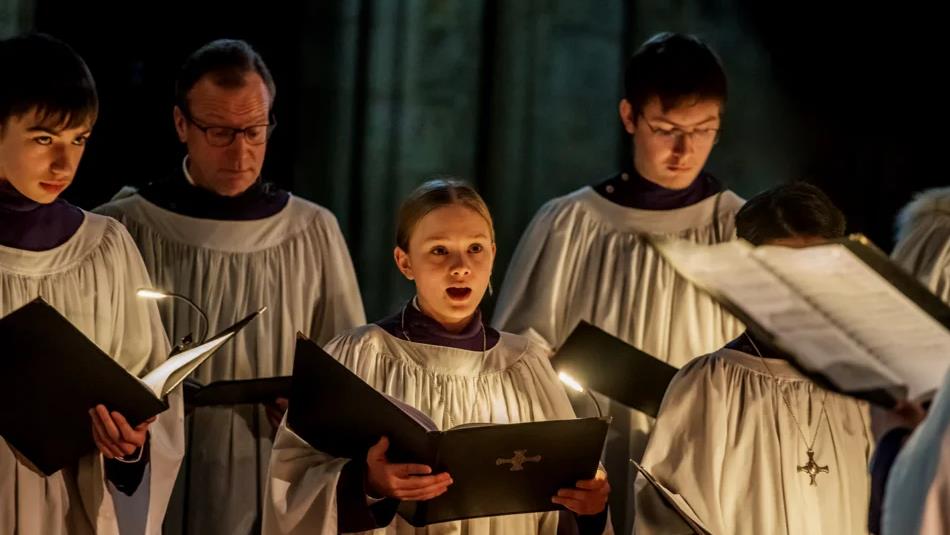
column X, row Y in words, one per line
column 413, row 325
column 179, row 193
column 12, row 200
column 28, row 225
column 750, row 344
column 633, row 190
column 193, row 176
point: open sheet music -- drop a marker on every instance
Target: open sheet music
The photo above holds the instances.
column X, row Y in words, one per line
column 169, row 374
column 842, row 310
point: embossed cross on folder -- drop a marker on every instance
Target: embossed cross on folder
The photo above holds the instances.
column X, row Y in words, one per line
column 518, row 460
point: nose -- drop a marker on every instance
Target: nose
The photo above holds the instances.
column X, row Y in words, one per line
column 239, row 149
column 460, row 266
column 64, row 164
column 683, row 144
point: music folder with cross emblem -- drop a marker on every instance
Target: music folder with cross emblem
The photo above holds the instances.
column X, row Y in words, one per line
column 517, row 460
column 496, row 469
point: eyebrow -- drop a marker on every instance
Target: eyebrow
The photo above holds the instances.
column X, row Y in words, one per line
column 52, row 131
column 44, row 130
column 704, row 121
column 444, row 238
column 215, row 119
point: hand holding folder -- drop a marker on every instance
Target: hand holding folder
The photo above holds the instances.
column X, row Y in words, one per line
column 402, row 481
column 61, row 377
column 114, row 436
column 496, row 469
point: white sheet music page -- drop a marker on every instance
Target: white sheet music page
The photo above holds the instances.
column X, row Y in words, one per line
column 166, row 376
column 735, row 271
column 901, row 335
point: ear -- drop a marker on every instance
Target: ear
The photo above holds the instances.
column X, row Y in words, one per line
column 402, row 262
column 4, row 127
column 628, row 117
column 181, row 124
column 494, row 252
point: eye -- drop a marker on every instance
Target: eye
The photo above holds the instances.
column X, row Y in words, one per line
column 255, row 133
column 440, row 250
column 476, row 248
column 220, row 134
column 43, row 140
column 80, row 141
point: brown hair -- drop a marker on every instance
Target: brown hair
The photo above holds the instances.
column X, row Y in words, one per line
column 44, row 74
column 227, row 61
column 788, row 211
column 434, row 194
column 676, row 68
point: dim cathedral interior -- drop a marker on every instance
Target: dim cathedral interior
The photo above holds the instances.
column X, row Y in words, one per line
column 791, row 381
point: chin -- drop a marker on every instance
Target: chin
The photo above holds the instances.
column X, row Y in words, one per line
column 229, row 184
column 43, row 197
column 460, row 311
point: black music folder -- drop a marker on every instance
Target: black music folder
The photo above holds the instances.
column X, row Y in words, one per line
column 616, row 369
column 237, row 391
column 53, row 374
column 497, row 469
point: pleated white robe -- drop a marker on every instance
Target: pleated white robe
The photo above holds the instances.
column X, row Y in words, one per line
column 91, row 279
column 923, row 246
column 917, row 496
column 725, row 441
column 584, row 257
column 510, row 383
column 294, row 262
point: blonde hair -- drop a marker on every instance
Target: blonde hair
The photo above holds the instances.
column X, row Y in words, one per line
column 434, row 194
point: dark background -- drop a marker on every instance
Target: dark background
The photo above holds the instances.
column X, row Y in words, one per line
column 519, row 97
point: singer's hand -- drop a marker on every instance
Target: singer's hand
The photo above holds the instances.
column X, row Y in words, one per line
column 589, row 497
column 408, row 482
column 113, row 434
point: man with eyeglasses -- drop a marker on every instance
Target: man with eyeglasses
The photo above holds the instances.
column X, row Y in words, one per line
column 217, row 233
column 585, row 256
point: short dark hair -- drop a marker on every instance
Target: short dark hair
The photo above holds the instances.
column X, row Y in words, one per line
column 789, row 211
column 675, row 68
column 44, row 74
column 227, row 61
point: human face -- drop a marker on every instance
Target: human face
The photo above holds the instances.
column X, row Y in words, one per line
column 39, row 157
column 670, row 147
column 231, row 169
column 450, row 259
